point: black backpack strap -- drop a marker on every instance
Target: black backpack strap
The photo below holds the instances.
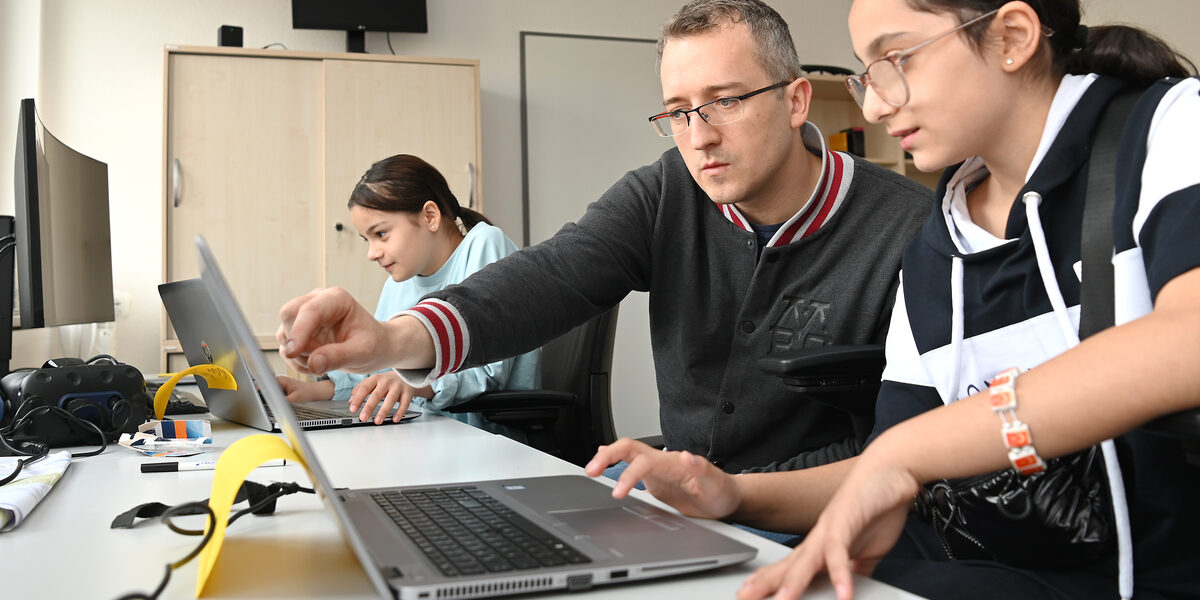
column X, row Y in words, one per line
column 1096, row 247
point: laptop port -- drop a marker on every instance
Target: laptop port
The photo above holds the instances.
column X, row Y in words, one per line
column 579, row 582
column 619, row 574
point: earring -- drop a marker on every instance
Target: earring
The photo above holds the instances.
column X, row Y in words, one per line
column 1008, row 61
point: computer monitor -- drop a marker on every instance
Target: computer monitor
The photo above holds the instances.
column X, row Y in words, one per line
column 358, row 16
column 61, row 235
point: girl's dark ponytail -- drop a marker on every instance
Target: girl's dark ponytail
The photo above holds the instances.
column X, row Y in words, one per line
column 1128, row 53
column 471, row 218
column 1121, row 51
column 404, row 183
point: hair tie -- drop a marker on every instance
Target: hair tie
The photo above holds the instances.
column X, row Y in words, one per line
column 1081, row 36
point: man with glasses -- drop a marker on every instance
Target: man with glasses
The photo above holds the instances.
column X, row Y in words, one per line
column 750, row 236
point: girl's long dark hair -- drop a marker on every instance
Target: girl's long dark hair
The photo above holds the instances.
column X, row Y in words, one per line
column 1121, row 51
column 404, row 183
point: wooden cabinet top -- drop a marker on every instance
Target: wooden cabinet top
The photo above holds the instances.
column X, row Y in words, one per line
column 310, row 55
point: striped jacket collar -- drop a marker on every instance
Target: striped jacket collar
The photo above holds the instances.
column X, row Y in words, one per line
column 837, row 171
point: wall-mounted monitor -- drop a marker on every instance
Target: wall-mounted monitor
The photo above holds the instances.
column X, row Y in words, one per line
column 358, row 16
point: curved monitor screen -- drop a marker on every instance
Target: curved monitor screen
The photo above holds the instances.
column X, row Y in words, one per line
column 64, row 247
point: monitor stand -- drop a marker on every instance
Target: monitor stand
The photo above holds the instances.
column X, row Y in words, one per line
column 356, row 41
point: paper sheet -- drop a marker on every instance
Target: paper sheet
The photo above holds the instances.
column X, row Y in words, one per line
column 20, row 496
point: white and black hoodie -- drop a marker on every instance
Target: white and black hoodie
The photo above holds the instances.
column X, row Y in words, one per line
column 971, row 305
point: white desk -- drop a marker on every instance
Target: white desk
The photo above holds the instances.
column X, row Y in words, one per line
column 65, row 548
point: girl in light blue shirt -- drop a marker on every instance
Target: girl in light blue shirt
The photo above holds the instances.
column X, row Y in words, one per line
column 416, row 230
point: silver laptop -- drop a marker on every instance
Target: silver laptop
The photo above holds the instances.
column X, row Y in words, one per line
column 206, row 338
column 489, row 538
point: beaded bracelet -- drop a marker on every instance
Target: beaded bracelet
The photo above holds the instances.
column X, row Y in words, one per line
column 1003, row 397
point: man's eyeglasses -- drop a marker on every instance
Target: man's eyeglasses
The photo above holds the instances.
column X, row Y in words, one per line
column 886, row 75
column 721, row 111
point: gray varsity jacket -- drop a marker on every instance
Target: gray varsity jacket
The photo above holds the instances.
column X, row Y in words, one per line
column 716, row 305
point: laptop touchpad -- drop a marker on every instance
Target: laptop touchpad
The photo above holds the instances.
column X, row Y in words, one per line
column 596, row 522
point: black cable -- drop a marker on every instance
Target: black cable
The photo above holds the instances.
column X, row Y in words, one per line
column 280, row 44
column 191, row 508
column 107, row 357
column 24, row 418
column 389, row 39
column 42, row 452
column 185, row 508
column 285, row 489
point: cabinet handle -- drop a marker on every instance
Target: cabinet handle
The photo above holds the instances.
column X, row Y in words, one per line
column 471, row 191
column 176, row 172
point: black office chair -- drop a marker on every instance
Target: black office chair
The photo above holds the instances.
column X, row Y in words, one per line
column 843, row 377
column 572, row 414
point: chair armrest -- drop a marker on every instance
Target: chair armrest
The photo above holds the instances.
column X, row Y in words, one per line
column 820, row 369
column 843, row 377
column 527, row 410
column 515, row 400
column 654, row 441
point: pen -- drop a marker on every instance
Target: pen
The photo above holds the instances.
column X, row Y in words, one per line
column 198, row 465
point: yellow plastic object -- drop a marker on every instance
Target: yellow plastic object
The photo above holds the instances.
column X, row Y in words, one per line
column 216, row 376
column 233, row 467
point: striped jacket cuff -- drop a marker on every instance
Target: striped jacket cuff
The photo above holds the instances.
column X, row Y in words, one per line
column 450, row 340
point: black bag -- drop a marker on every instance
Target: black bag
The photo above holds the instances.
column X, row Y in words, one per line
column 1061, row 517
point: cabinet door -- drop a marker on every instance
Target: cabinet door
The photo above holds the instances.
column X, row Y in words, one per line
column 244, row 164
column 377, row 109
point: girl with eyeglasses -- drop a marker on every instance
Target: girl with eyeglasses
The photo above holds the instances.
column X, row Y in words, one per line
column 985, row 371
column 1008, row 100
column 416, row 230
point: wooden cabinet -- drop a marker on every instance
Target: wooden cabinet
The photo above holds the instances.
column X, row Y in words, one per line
column 262, row 149
column 834, row 110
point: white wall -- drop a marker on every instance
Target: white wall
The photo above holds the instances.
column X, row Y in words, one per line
column 96, row 68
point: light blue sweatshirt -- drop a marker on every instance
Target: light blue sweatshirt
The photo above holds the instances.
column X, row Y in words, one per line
column 483, row 244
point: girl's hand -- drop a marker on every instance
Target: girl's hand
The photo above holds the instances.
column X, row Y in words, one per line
column 856, row 530
column 383, row 390
column 305, row 391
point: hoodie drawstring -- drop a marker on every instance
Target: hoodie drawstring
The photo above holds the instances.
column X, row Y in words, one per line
column 1112, row 466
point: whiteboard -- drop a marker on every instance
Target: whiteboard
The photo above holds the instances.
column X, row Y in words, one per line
column 585, row 103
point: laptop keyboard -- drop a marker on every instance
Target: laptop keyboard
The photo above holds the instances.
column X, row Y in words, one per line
column 305, row 413
column 465, row 531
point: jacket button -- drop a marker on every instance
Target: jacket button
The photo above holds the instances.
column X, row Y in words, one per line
column 727, row 408
column 773, row 258
column 748, row 326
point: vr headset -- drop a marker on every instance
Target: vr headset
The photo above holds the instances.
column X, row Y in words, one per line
column 69, row 402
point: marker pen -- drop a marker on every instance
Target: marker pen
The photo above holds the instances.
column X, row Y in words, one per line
column 198, row 465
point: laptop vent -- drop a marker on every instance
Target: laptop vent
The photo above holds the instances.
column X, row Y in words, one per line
column 320, row 422
column 512, row 586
